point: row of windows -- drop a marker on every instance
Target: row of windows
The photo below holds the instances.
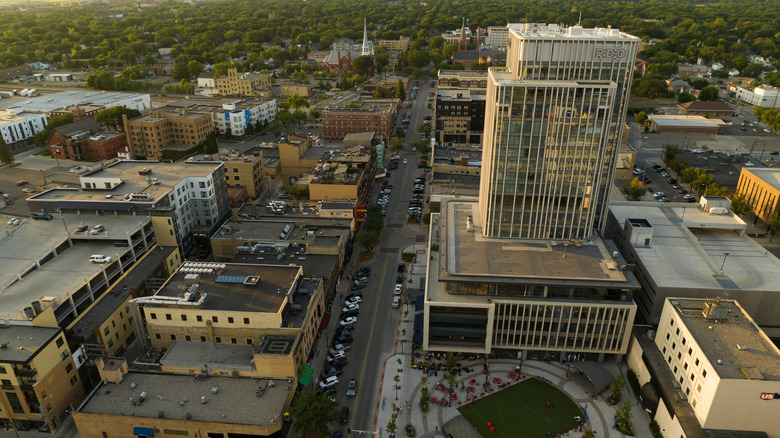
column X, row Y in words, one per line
column 199, row 318
column 217, row 339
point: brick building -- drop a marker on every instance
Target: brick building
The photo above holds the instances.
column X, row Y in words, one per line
column 79, row 140
column 243, row 84
column 148, row 135
column 460, row 116
column 375, row 115
column 714, row 108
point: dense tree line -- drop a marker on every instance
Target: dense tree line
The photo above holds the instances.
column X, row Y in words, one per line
column 215, row 33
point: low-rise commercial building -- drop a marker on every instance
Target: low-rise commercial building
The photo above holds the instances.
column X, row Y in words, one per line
column 130, row 404
column 240, row 171
column 376, row 115
column 290, row 89
column 709, row 109
column 105, row 99
column 765, row 96
column 343, row 174
column 695, row 251
column 460, row 116
column 558, row 300
column 707, row 370
column 693, row 70
column 166, row 128
column 761, row 188
column 273, row 309
column 39, row 379
column 669, row 124
column 84, row 139
column 18, row 129
column 243, row 84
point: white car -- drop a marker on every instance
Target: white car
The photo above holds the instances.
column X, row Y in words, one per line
column 348, row 320
column 354, row 300
column 350, row 307
column 100, row 258
column 97, row 229
column 399, row 288
column 659, row 195
column 330, row 381
column 406, row 161
column 698, row 151
column 336, row 352
column 13, row 219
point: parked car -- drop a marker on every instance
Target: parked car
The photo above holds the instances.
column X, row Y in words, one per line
column 357, row 287
column 352, row 387
column 81, row 229
column 330, row 371
column 336, row 353
column 401, row 267
column 658, row 194
column 343, row 339
column 42, row 216
column 353, row 300
column 12, row 220
column 350, row 307
column 284, row 196
column 355, row 294
column 399, row 288
column 99, row 258
column 397, row 301
column 342, row 347
column 97, row 229
column 330, row 381
column 348, row 320
column 344, row 415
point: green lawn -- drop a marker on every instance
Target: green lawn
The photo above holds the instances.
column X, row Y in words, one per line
column 521, row 410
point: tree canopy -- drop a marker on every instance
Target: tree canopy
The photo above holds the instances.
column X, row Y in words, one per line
column 312, row 412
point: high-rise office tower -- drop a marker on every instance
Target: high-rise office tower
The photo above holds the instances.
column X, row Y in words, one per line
column 553, row 120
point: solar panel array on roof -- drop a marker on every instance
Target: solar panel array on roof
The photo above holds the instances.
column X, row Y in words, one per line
column 240, row 279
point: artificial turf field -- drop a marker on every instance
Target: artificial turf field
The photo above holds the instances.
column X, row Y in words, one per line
column 520, row 410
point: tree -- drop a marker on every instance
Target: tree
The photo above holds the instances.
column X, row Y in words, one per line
column 709, row 93
column 312, row 412
column 367, row 238
column 315, row 113
column 651, row 86
column 635, row 189
column 418, row 58
column 623, row 414
column 740, row 205
column 423, row 147
column 397, row 380
column 40, row 138
column 180, row 71
column 113, row 116
column 194, row 68
column 363, row 65
column 296, row 190
column 773, row 225
column 391, row 427
column 425, row 395
column 685, row 97
column 670, row 152
column 437, row 42
column 641, row 117
column 6, row 156
column 396, row 144
column 699, row 83
column 618, row 384
column 375, row 221
column 296, row 101
column 382, row 92
column 400, row 92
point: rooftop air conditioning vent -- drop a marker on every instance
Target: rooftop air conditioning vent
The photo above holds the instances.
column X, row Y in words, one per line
column 252, row 280
column 741, row 347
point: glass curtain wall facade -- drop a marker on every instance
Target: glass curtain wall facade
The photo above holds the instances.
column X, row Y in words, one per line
column 552, row 123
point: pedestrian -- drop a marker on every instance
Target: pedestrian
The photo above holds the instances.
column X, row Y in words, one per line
column 548, row 404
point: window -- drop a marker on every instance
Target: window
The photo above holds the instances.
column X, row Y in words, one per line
column 168, row 316
column 674, row 345
column 199, row 318
column 2, row 368
column 214, row 319
column 694, row 403
column 233, row 341
column 697, row 362
column 7, row 382
column 202, row 339
column 105, row 331
column 230, row 320
column 153, row 315
column 249, row 341
column 60, row 341
column 703, row 374
column 690, row 350
column 671, row 323
column 681, row 380
column 218, row 339
column 184, row 317
column 173, row 337
column 685, row 365
column 693, row 376
column 157, row 336
column 675, row 370
column 684, row 341
column 667, row 336
column 677, row 332
column 664, row 350
column 187, row 338
column 698, row 388
column 73, row 381
column 679, row 356
column 669, row 359
column 687, row 391
column 246, row 320
column 64, row 355
column 110, row 343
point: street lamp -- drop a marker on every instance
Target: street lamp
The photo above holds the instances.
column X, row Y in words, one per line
column 725, row 254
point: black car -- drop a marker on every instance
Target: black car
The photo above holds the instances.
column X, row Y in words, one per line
column 330, row 371
column 401, row 268
column 350, row 313
column 671, row 180
column 42, row 216
column 399, row 278
column 343, row 339
column 363, row 271
column 660, row 169
column 341, row 361
column 357, row 287
column 344, row 415
column 343, row 331
column 656, row 166
column 646, row 180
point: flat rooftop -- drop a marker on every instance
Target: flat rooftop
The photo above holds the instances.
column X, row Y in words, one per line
column 467, row 256
column 316, row 265
column 457, row 94
column 22, row 342
column 167, row 174
column 546, row 31
column 760, row 358
column 27, row 251
column 678, row 121
column 466, row 74
column 237, row 357
column 235, row 402
column 50, row 102
column 371, row 105
column 119, row 292
column 316, row 231
column 688, row 247
column 226, row 289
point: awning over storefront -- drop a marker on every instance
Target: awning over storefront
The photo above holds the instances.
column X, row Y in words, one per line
column 325, row 321
column 597, row 376
column 419, row 320
column 417, row 338
column 419, row 303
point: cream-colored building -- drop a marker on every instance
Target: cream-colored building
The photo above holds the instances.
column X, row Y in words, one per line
column 707, row 359
column 163, row 128
column 218, row 303
column 243, row 84
column 761, row 188
column 396, row 46
column 38, row 377
column 302, row 90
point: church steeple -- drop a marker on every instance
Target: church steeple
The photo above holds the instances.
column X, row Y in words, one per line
column 463, row 43
column 366, row 49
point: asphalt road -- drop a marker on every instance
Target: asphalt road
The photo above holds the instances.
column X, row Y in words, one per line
column 375, row 331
